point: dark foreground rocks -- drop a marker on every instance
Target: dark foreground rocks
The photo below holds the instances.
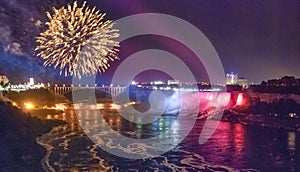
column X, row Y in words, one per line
column 18, row 132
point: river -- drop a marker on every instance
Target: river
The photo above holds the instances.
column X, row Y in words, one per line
column 232, row 147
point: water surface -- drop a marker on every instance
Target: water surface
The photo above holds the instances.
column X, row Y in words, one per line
column 233, row 147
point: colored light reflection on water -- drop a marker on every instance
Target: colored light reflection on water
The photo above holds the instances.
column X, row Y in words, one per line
column 232, row 145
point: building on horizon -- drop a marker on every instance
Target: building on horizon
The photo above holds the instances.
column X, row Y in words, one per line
column 158, row 83
column 283, row 81
column 174, row 82
column 4, row 79
column 231, row 79
column 243, row 82
column 31, row 81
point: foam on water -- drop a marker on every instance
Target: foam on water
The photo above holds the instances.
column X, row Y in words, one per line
column 69, row 149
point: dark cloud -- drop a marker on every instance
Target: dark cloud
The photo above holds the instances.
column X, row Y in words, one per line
column 20, row 68
column 20, row 23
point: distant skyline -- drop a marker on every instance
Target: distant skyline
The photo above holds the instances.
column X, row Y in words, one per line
column 259, row 40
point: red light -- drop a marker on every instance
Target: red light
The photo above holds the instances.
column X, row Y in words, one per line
column 240, row 99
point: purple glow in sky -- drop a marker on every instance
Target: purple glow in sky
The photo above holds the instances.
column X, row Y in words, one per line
column 257, row 39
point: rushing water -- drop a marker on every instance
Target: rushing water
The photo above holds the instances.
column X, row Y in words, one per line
column 233, row 147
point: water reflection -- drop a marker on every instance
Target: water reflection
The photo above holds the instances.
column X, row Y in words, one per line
column 239, row 140
column 90, row 119
column 291, row 140
column 233, row 145
column 292, row 149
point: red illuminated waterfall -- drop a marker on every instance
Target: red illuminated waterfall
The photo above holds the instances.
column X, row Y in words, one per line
column 240, row 99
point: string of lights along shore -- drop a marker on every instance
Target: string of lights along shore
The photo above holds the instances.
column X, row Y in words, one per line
column 231, row 79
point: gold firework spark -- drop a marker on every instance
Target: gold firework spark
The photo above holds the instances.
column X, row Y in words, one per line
column 78, row 41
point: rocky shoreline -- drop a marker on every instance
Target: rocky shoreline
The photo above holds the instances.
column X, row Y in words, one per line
column 19, row 150
column 261, row 120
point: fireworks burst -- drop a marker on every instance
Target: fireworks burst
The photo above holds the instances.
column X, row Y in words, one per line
column 78, row 41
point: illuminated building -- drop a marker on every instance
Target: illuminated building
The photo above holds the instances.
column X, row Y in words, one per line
column 173, row 82
column 243, row 82
column 4, row 79
column 231, row 79
column 158, row 82
column 31, row 81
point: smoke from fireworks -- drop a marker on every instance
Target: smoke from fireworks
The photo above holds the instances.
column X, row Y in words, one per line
column 78, row 41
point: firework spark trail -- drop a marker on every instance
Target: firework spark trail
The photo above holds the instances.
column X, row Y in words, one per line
column 78, row 41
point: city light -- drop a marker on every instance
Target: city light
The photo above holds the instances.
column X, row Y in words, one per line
column 114, row 106
column 100, row 106
column 130, row 103
column 231, row 79
column 292, row 115
column 14, row 104
column 31, row 81
column 29, row 105
column 158, row 82
column 60, row 106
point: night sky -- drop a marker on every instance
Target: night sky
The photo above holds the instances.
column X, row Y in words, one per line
column 257, row 39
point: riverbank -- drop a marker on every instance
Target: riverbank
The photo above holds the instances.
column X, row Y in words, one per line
column 19, row 150
column 233, row 116
column 36, row 98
